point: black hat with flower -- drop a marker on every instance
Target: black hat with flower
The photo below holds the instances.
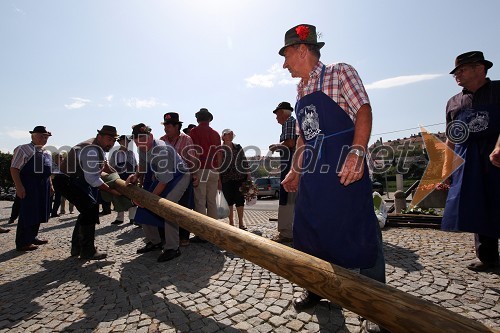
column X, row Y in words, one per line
column 301, row 34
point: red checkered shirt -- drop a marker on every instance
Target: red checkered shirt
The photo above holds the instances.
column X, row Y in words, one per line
column 341, row 83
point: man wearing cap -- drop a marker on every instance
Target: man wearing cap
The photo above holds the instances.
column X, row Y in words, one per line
column 30, row 169
column 334, row 218
column 168, row 177
column 475, row 192
column 124, row 162
column 183, row 145
column 80, row 182
column 207, row 162
column 286, row 148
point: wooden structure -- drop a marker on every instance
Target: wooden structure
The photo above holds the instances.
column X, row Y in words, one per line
column 393, row 309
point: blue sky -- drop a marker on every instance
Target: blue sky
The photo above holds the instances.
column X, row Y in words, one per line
column 74, row 66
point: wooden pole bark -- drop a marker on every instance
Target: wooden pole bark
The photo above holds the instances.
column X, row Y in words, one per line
column 393, row 309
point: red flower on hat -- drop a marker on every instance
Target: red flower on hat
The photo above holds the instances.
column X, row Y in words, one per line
column 302, row 32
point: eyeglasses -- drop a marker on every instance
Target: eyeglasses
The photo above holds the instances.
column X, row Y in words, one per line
column 462, row 69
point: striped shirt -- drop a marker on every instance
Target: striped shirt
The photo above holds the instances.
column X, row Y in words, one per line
column 23, row 153
column 341, row 83
column 288, row 129
column 180, row 143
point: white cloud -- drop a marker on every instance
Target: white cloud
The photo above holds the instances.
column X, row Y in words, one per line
column 273, row 76
column 109, row 98
column 19, row 10
column 143, row 103
column 77, row 103
column 400, row 81
column 18, row 134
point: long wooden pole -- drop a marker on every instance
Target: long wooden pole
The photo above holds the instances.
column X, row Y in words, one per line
column 393, row 309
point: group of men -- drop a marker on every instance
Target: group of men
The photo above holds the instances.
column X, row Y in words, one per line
column 332, row 212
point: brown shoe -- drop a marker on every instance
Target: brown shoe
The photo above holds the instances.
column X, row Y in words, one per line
column 479, row 266
column 40, row 241
column 28, row 247
column 281, row 239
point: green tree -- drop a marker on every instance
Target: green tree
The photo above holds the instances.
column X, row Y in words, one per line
column 5, row 178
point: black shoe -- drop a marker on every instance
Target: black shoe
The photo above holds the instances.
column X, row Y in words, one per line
column 149, row 247
column 306, row 301
column 95, row 256
column 75, row 252
column 132, row 221
column 11, row 221
column 40, row 241
column 371, row 327
column 197, row 239
column 104, row 212
column 169, row 255
column 54, row 215
column 117, row 222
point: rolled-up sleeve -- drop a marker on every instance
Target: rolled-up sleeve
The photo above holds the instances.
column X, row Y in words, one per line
column 91, row 165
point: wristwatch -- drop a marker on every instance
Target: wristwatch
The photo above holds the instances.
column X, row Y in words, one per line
column 358, row 152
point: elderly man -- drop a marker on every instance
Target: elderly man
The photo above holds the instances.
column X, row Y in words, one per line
column 183, row 145
column 168, row 177
column 206, row 139
column 80, row 181
column 30, row 169
column 286, row 148
column 334, row 217
column 475, row 192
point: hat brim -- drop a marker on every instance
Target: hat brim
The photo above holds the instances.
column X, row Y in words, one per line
column 113, row 135
column 47, row 133
column 276, row 110
column 171, row 122
column 282, row 50
column 486, row 63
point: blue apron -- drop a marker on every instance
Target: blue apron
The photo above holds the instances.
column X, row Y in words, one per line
column 333, row 222
column 474, row 195
column 145, row 216
column 35, row 207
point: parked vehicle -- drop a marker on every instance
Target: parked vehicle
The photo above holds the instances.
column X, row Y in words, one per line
column 269, row 186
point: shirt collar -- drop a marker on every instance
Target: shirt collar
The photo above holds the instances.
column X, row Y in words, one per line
column 315, row 72
column 488, row 82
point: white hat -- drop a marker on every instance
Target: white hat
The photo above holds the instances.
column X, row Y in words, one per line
column 227, row 130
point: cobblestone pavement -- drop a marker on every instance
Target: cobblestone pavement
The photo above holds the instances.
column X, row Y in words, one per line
column 209, row 290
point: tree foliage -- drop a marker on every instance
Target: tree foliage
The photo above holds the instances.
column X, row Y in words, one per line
column 5, row 178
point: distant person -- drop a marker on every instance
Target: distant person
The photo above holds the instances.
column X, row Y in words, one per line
column 170, row 181
column 188, row 129
column 183, row 145
column 474, row 195
column 30, row 169
column 80, row 183
column 334, row 216
column 124, row 162
column 286, row 148
column 14, row 212
column 234, row 172
column 56, row 198
column 207, row 140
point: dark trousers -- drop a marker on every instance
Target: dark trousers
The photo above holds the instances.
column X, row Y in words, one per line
column 486, row 248
column 83, row 238
column 14, row 213
column 26, row 234
column 56, row 203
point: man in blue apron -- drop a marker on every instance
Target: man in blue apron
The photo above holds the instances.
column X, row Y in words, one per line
column 286, row 148
column 30, row 169
column 334, row 216
column 80, row 182
column 168, row 177
column 473, row 128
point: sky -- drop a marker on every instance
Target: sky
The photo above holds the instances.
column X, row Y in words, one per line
column 74, row 66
